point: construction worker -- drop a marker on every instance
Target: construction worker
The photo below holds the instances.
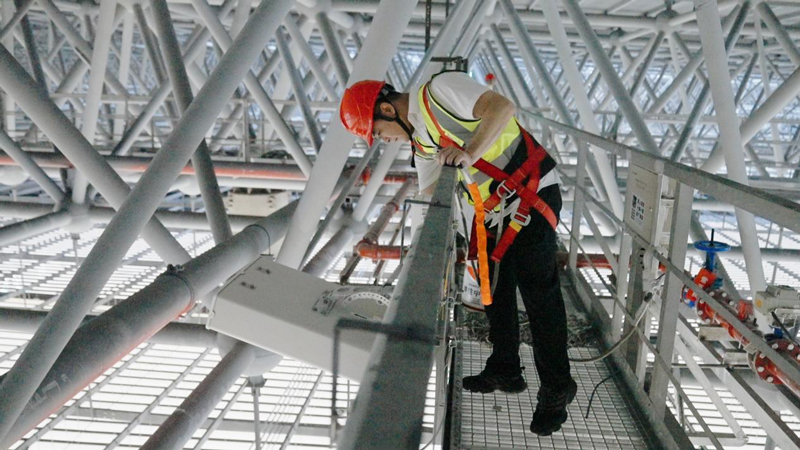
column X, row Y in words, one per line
column 454, row 120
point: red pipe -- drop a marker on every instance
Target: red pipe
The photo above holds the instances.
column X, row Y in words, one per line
column 769, row 372
column 269, row 171
column 598, row 260
column 378, row 252
column 765, row 367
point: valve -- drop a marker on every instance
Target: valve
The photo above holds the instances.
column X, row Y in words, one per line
column 711, row 248
column 707, row 278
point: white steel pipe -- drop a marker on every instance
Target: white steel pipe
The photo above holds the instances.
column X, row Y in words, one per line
column 535, row 64
column 179, row 427
column 785, row 94
column 389, row 209
column 730, row 136
column 337, row 204
column 21, row 381
column 263, row 100
column 298, row 89
column 332, row 47
column 37, row 105
column 327, row 256
column 609, row 73
column 390, row 153
column 701, row 101
column 12, row 21
column 517, row 81
column 385, row 34
column 102, row 45
column 201, row 159
column 16, row 232
column 27, row 164
column 82, row 48
column 126, row 45
column 584, row 106
column 194, row 49
column 101, row 342
column 780, row 33
column 446, row 39
column 240, row 16
column 311, row 59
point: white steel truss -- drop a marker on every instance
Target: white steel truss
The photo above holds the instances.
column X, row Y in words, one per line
column 94, row 92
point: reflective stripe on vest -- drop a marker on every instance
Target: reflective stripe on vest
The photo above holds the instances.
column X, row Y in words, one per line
column 461, row 131
column 426, row 152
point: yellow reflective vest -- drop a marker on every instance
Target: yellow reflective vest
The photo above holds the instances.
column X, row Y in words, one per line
column 460, row 131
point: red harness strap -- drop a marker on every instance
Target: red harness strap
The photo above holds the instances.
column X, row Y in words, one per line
column 510, row 184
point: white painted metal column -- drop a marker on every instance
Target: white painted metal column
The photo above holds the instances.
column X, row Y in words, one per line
column 102, row 45
column 124, row 70
column 730, row 136
column 585, row 112
column 9, row 119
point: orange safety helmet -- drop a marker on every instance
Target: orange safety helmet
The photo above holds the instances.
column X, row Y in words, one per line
column 357, row 110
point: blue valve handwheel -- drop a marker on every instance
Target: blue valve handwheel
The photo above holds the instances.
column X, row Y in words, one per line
column 712, row 246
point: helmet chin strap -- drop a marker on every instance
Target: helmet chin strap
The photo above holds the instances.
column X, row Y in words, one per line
column 405, row 128
column 397, row 120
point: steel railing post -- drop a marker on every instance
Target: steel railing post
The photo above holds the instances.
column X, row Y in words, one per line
column 668, row 317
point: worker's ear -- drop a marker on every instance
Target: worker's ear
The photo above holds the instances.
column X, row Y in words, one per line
column 387, row 110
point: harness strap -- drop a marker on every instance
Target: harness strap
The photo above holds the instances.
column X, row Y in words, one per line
column 483, row 258
column 528, row 194
column 509, row 184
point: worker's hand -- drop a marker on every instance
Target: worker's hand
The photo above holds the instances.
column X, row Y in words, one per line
column 452, row 156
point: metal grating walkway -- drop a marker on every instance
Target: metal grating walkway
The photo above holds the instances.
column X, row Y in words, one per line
column 500, row 421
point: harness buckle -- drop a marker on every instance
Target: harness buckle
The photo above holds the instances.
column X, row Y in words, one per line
column 502, row 187
column 522, row 219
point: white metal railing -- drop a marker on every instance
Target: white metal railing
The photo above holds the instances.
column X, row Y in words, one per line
column 759, row 202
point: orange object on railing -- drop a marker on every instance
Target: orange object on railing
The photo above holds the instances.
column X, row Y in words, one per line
column 375, row 251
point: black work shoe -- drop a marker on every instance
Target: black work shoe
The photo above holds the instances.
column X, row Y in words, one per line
column 486, row 382
column 551, row 408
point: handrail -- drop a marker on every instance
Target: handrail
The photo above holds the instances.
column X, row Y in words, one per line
column 390, row 404
column 757, row 201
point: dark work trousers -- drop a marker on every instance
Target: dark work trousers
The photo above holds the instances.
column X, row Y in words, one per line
column 530, row 265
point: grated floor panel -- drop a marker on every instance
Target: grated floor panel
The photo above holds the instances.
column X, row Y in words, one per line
column 500, row 421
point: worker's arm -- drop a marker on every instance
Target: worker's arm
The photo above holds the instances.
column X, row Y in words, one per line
column 428, row 172
column 428, row 191
column 495, row 111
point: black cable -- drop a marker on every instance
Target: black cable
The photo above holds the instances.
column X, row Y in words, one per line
column 591, row 397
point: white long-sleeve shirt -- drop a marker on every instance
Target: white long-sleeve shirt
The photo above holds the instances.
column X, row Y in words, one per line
column 458, row 93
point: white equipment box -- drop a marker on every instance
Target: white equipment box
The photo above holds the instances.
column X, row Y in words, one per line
column 256, row 204
column 294, row 314
column 642, row 202
column 777, row 298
